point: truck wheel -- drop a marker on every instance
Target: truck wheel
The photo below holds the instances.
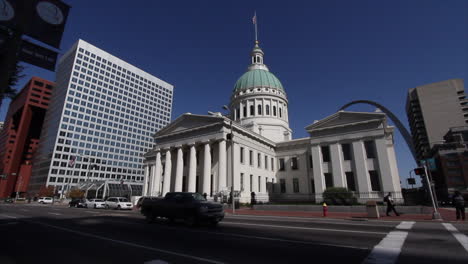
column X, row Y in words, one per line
column 191, row 221
column 150, row 218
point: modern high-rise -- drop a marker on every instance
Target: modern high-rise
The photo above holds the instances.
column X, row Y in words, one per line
column 100, row 122
column 21, row 134
column 432, row 109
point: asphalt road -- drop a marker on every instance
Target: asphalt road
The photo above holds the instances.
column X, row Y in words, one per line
column 33, row 233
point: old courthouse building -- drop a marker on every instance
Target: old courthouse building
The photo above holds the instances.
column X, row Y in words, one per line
column 346, row 149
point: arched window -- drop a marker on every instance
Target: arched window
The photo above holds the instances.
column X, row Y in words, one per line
column 267, row 110
column 252, row 110
column 259, row 112
column 274, row 110
column 280, row 112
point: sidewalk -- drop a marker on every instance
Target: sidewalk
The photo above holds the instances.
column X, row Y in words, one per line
column 447, row 215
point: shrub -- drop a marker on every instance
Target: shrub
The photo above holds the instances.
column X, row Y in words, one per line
column 339, row 196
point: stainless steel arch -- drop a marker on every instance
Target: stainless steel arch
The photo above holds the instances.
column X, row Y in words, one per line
column 403, row 131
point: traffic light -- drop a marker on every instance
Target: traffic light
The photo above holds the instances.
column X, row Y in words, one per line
column 419, row 171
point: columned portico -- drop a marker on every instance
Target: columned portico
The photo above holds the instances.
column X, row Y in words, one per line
column 360, row 164
column 156, row 181
column 207, row 169
column 179, row 170
column 167, row 173
column 147, row 179
column 319, row 179
column 337, row 165
column 222, row 165
column 192, row 169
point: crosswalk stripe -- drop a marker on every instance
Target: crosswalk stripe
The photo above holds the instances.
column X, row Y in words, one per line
column 462, row 238
column 388, row 250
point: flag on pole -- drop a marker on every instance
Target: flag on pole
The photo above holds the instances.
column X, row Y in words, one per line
column 254, row 19
column 71, row 162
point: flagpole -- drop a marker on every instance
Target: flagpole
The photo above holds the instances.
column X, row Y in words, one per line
column 255, row 16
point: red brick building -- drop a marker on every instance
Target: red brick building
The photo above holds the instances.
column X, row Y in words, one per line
column 20, row 135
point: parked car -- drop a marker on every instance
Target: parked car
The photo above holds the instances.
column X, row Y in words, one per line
column 81, row 203
column 193, row 208
column 8, row 200
column 45, row 200
column 96, row 203
column 144, row 199
column 118, row 203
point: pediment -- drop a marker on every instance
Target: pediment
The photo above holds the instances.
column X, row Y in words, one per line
column 345, row 118
column 188, row 122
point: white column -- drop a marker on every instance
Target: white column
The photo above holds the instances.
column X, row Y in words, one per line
column 337, row 165
column 360, row 163
column 385, row 171
column 147, row 181
column 207, row 170
column 222, row 165
column 179, row 170
column 192, row 169
column 167, row 173
column 319, row 179
column 157, row 170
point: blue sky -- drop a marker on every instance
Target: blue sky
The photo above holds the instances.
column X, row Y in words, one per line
column 326, row 53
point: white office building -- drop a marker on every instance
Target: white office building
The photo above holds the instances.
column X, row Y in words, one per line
column 101, row 119
column 353, row 150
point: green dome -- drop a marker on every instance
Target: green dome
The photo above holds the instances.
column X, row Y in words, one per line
column 257, row 78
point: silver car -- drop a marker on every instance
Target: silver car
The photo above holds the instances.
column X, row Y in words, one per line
column 118, row 203
column 95, row 203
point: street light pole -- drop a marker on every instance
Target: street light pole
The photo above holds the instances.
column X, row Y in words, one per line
column 435, row 214
column 232, row 170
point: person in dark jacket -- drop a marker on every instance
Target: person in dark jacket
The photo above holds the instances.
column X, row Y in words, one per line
column 390, row 204
column 459, row 204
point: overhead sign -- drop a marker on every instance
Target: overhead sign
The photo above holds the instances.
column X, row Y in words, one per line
column 9, row 13
column 47, row 21
column 37, row 55
column 43, row 20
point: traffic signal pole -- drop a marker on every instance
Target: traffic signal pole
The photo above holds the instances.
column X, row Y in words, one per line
column 435, row 214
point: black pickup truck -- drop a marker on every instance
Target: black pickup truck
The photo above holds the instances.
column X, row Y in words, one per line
column 193, row 208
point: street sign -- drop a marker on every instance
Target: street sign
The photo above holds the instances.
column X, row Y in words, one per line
column 411, row 181
column 37, row 55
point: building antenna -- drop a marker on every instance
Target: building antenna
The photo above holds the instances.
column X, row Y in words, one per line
column 254, row 20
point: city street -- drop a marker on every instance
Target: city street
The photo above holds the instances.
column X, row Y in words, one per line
column 34, row 233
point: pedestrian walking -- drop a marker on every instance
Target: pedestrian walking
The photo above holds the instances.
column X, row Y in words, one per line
column 459, row 203
column 390, row 204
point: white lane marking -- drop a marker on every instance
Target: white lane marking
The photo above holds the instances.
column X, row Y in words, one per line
column 308, row 228
column 305, row 220
column 462, row 238
column 9, row 216
column 388, row 250
column 247, row 236
column 405, row 225
column 10, row 223
column 54, row 213
column 127, row 243
column 24, row 210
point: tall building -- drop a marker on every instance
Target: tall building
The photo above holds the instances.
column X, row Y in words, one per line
column 253, row 150
column 451, row 160
column 21, row 133
column 103, row 114
column 432, row 109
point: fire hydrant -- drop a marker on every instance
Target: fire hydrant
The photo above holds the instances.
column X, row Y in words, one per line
column 325, row 209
